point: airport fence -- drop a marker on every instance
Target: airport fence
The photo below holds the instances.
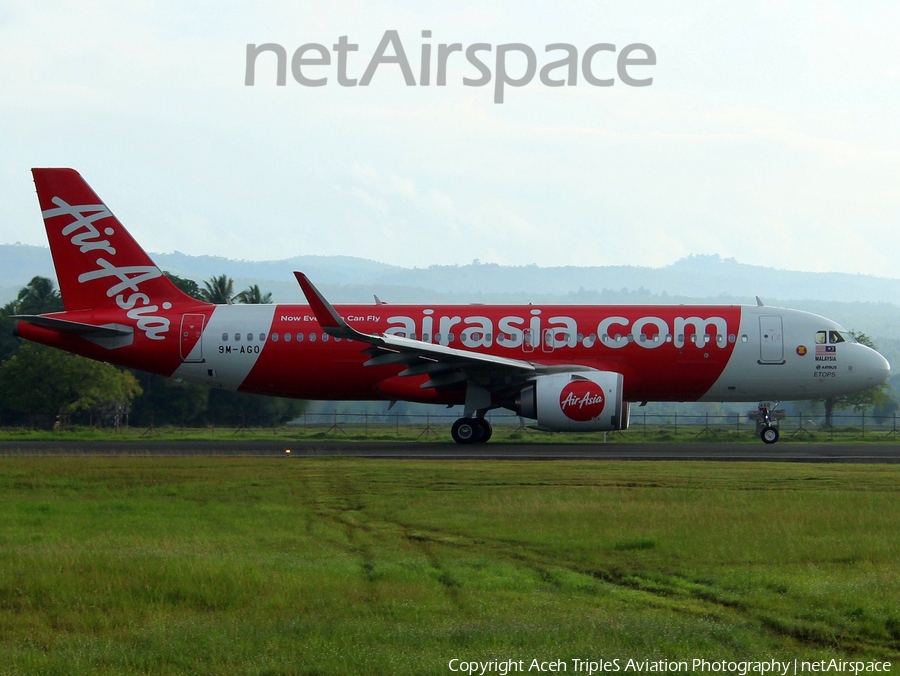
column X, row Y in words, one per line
column 436, row 426
column 643, row 426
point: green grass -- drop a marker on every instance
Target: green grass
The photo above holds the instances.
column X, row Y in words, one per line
column 296, row 566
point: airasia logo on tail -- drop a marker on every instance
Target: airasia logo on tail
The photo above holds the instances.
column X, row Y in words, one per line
column 125, row 283
column 581, row 400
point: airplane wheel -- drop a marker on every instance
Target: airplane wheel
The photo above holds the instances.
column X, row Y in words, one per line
column 769, row 435
column 466, row 431
column 485, row 430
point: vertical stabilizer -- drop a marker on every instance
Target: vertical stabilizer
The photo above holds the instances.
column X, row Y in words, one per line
column 98, row 263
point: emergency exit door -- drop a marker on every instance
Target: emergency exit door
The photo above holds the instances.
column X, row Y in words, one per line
column 191, row 331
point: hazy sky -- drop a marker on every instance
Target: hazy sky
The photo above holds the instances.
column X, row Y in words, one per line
column 770, row 133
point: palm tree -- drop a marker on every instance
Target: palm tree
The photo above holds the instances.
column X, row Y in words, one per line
column 38, row 297
column 219, row 290
column 253, row 296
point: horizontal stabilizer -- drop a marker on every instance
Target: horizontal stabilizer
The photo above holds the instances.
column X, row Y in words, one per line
column 106, row 335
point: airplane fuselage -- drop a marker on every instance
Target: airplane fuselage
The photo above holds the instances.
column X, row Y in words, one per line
column 666, row 353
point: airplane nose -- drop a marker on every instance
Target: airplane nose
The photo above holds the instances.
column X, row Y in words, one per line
column 876, row 367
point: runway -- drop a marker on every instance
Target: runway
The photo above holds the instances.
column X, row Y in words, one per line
column 703, row 451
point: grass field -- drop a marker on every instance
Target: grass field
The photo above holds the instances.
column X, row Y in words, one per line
column 295, row 566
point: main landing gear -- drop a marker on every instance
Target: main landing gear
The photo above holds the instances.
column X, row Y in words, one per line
column 472, row 428
column 471, row 431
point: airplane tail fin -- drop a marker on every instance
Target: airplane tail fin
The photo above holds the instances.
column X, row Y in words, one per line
column 98, row 263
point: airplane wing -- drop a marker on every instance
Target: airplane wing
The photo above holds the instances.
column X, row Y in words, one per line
column 443, row 365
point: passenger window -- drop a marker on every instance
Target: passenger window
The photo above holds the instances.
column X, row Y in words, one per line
column 820, row 337
column 324, row 337
column 249, row 337
column 287, row 337
column 225, row 337
column 262, row 337
column 275, row 337
column 312, row 337
column 237, row 336
column 834, row 337
column 300, row 337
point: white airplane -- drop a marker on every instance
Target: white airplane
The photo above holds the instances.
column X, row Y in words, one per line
column 570, row 368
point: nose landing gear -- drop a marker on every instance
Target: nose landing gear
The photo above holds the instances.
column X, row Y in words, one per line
column 767, row 422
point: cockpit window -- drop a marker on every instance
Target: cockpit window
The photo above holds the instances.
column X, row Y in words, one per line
column 834, row 337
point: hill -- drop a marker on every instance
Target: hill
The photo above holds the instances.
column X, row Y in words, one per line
column 863, row 302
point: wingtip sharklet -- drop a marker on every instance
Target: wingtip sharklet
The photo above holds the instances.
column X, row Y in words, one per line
column 330, row 321
column 325, row 313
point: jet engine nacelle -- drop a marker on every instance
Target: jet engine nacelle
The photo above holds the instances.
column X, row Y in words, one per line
column 589, row 401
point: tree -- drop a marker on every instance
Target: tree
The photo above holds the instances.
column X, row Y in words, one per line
column 37, row 297
column 253, row 296
column 166, row 401
column 188, row 286
column 8, row 342
column 241, row 408
column 218, row 290
column 46, row 382
column 877, row 397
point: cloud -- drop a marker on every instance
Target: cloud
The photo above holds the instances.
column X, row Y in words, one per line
column 769, row 133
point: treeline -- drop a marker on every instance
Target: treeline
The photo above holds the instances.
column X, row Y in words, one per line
column 45, row 387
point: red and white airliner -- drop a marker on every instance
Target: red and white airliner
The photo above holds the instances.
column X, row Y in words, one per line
column 567, row 367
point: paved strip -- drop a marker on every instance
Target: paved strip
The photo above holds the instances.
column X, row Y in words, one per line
column 710, row 451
